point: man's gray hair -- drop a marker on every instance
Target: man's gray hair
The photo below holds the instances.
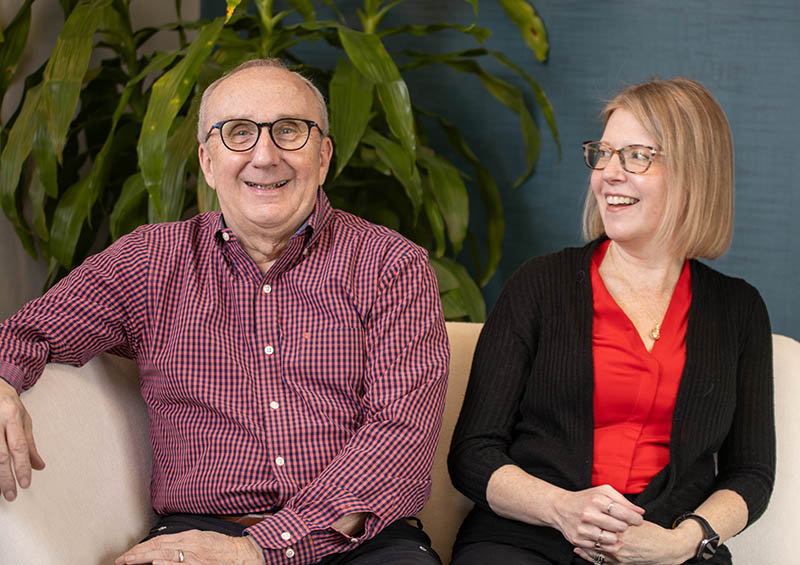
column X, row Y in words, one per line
column 274, row 63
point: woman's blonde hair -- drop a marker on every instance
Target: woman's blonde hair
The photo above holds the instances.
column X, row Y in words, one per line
column 689, row 126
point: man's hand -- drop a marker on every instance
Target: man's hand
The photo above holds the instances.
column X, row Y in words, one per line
column 18, row 453
column 196, row 547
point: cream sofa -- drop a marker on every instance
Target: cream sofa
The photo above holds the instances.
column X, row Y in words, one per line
column 92, row 501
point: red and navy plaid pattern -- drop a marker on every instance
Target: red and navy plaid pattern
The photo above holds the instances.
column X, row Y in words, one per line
column 315, row 390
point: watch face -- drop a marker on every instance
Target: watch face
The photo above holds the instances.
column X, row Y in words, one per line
column 708, row 547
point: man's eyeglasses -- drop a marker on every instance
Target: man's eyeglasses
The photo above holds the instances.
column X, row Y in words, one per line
column 241, row 134
column 635, row 159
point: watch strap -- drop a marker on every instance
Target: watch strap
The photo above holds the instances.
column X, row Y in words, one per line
column 710, row 542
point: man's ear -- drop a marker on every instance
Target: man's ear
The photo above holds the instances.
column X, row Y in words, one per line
column 325, row 155
column 204, row 156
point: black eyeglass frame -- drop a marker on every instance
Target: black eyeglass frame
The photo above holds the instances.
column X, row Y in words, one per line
column 618, row 152
column 259, row 125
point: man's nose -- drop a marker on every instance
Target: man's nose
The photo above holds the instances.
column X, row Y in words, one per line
column 265, row 151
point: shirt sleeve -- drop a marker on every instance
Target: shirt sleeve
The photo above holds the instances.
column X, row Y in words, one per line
column 384, row 469
column 747, row 457
column 95, row 308
column 500, row 370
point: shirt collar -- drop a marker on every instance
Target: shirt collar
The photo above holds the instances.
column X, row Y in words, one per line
column 316, row 222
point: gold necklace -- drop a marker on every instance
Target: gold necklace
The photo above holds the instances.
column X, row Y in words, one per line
column 655, row 332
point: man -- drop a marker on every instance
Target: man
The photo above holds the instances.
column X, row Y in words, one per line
column 293, row 357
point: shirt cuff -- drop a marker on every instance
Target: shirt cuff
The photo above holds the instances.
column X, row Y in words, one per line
column 12, row 375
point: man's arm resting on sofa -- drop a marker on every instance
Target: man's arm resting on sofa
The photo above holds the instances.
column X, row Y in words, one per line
column 18, row 454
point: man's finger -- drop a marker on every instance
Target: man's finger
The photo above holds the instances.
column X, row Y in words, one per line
column 8, row 485
column 36, row 460
column 18, row 449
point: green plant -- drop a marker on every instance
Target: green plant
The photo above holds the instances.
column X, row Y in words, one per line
column 116, row 142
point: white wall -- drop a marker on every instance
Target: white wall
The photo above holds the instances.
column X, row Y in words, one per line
column 22, row 277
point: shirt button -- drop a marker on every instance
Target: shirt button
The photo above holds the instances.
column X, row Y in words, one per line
column 269, row 350
column 274, row 405
column 226, row 236
column 353, row 540
column 279, row 461
column 290, row 553
column 266, row 288
column 305, row 251
column 286, row 536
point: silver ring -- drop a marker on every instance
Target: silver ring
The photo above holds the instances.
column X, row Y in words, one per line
column 609, row 507
column 599, row 559
column 597, row 544
column 180, row 556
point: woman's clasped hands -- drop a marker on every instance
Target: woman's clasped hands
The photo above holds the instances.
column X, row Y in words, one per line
column 594, row 520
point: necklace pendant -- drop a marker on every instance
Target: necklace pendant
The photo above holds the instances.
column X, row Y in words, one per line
column 655, row 333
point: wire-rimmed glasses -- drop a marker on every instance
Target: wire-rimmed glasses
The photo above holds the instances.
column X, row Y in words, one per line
column 635, row 159
column 241, row 134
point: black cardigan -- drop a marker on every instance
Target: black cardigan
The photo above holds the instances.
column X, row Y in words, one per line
column 530, row 393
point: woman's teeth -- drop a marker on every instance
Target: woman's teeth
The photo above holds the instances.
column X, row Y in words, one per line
column 618, row 200
column 267, row 186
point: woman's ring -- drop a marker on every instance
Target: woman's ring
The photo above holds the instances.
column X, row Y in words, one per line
column 609, row 507
column 180, row 556
column 599, row 559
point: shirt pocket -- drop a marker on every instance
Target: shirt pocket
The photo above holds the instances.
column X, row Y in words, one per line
column 324, row 365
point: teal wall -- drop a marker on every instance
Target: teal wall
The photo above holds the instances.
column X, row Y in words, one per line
column 746, row 53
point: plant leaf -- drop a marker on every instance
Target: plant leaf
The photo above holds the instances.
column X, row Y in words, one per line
column 541, row 97
column 127, row 213
column 437, row 225
column 450, row 194
column 181, row 147
column 168, row 95
column 15, row 152
column 480, row 34
column 68, row 219
column 453, row 305
column 467, row 289
column 305, row 8
column 63, row 75
column 490, row 196
column 350, row 105
column 530, row 25
column 206, row 196
column 231, row 6
column 403, row 168
column 370, row 57
column 447, row 280
column 506, row 93
column 12, row 44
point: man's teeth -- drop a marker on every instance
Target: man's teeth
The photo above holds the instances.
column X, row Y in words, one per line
column 616, row 200
column 267, row 186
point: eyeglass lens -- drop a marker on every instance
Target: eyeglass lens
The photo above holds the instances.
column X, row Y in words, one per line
column 288, row 134
column 634, row 158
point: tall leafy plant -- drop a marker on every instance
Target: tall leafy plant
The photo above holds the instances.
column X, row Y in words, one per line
column 114, row 144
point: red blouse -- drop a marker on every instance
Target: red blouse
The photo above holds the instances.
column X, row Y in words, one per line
column 634, row 391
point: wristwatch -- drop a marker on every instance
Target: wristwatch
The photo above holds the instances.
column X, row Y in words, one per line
column 710, row 542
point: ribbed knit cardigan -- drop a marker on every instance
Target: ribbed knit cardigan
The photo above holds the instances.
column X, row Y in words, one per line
column 529, row 401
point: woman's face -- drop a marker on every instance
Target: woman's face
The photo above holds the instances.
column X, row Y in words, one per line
column 631, row 205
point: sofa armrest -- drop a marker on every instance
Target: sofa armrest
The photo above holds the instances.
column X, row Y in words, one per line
column 92, row 501
column 770, row 538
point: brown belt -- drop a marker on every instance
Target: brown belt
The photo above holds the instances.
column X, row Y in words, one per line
column 246, row 520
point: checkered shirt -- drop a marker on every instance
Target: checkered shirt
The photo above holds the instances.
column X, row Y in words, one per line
column 313, row 391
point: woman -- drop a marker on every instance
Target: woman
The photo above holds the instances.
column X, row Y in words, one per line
column 619, row 408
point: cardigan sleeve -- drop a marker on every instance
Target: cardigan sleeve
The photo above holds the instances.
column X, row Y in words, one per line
column 747, row 456
column 500, row 369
